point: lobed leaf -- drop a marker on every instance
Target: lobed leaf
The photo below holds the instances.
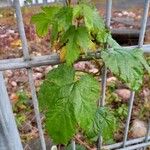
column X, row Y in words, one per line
column 104, row 124
column 91, row 17
column 85, row 96
column 75, row 42
column 126, row 64
column 43, row 19
column 67, row 102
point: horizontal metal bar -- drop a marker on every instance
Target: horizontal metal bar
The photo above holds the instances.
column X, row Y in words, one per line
column 137, row 146
column 18, row 63
column 128, row 143
column 146, row 47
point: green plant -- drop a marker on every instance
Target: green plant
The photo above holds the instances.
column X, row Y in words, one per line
column 20, row 107
column 70, row 103
column 21, row 101
column 121, row 112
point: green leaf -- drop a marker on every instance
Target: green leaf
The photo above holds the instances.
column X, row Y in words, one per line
column 54, row 33
column 61, row 97
column 103, row 36
column 112, row 43
column 126, row 64
column 104, row 123
column 72, row 51
column 75, row 42
column 91, row 17
column 85, row 96
column 64, row 18
column 83, row 38
column 54, row 99
column 43, row 19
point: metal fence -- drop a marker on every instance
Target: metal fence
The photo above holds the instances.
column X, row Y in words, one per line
column 9, row 137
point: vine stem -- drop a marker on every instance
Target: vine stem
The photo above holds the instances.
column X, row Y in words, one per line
column 83, row 143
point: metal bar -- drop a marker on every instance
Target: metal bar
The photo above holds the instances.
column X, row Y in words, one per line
column 9, row 136
column 143, row 23
column 128, row 118
column 128, row 143
column 18, row 63
column 147, row 134
column 20, row 24
column 36, row 1
column 104, row 70
column 108, row 12
column 73, row 144
column 31, row 81
column 36, row 109
column 134, row 147
column 140, row 44
column 44, row 2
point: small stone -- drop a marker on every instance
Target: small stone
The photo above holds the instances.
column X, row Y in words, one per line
column 6, row 80
column 111, row 79
column 49, row 68
column 139, row 17
column 131, row 14
column 146, row 92
column 119, row 14
column 37, row 83
column 123, row 93
column 138, row 129
column 125, row 13
column 54, row 147
column 9, row 73
column 94, row 70
column 13, row 83
column 37, row 76
column 11, row 31
column 38, row 69
column 14, row 98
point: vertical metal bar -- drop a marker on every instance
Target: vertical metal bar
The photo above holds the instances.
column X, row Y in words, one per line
column 9, row 136
column 128, row 118
column 143, row 23
column 147, row 134
column 44, row 2
column 140, row 44
column 73, row 144
column 104, row 71
column 36, row 1
column 108, row 12
column 36, row 109
column 20, row 24
column 31, row 81
column 103, row 84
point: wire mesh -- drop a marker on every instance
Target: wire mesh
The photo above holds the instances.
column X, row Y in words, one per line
column 29, row 62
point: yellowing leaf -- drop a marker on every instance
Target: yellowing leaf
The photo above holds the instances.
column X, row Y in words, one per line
column 63, row 54
column 16, row 43
column 93, row 46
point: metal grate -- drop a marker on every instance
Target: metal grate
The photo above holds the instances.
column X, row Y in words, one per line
column 29, row 62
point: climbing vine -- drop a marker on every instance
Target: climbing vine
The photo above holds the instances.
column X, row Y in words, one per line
column 70, row 102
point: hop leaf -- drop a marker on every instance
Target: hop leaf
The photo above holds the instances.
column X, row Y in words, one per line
column 78, row 40
column 91, row 17
column 126, row 64
column 64, row 18
column 104, row 124
column 67, row 102
column 43, row 19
